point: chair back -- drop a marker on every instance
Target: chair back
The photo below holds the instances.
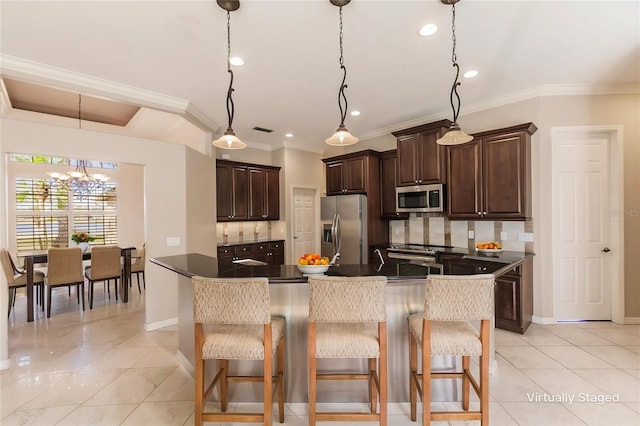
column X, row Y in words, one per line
column 459, row 297
column 7, row 266
column 105, row 262
column 347, row 299
column 64, row 265
column 138, row 264
column 231, row 300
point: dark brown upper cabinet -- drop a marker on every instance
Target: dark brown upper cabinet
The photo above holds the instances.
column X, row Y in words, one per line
column 247, row 191
column 490, row 177
column 351, row 173
column 420, row 159
column 264, row 194
column 388, row 176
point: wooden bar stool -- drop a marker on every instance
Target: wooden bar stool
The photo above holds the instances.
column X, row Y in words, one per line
column 347, row 319
column 236, row 313
column 444, row 329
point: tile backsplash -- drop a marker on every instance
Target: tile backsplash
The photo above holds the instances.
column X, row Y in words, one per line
column 241, row 232
column 436, row 230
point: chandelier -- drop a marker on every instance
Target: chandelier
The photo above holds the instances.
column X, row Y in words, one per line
column 455, row 136
column 79, row 181
column 341, row 137
column 229, row 140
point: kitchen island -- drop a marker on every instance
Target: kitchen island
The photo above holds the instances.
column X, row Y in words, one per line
column 289, row 298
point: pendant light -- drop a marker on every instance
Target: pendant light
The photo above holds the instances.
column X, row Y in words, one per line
column 229, row 140
column 454, row 136
column 342, row 137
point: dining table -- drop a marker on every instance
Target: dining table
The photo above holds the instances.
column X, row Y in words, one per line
column 42, row 258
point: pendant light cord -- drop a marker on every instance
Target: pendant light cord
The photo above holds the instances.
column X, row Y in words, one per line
column 341, row 96
column 79, row 111
column 230, row 105
column 454, row 60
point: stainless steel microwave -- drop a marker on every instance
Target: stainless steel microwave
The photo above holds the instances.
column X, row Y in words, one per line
column 420, row 198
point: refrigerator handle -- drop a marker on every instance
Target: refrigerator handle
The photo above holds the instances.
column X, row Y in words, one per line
column 336, row 238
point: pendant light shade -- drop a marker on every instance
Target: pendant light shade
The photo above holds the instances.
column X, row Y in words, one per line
column 229, row 140
column 455, row 136
column 341, row 137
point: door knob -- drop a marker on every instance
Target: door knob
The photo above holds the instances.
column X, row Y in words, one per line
column 606, row 250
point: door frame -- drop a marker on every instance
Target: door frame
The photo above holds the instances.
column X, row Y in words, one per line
column 316, row 226
column 614, row 133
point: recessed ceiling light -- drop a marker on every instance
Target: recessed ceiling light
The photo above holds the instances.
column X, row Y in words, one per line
column 429, row 29
column 355, row 113
column 289, row 135
column 470, row 74
column 237, row 61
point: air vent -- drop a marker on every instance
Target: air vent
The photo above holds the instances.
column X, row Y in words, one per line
column 262, row 129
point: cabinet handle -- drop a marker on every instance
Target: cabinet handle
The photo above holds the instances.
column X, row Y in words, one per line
column 479, row 213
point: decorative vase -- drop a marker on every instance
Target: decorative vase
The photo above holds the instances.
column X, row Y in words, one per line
column 84, row 246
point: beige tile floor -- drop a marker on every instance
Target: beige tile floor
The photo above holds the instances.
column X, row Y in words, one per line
column 101, row 368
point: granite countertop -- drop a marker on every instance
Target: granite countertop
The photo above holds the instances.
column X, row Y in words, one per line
column 193, row 264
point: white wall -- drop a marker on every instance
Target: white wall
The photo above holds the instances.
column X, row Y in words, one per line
column 165, row 196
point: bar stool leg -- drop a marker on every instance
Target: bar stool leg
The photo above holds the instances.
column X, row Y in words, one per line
column 311, row 351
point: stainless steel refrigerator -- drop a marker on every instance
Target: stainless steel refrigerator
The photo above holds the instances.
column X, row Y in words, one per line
column 344, row 228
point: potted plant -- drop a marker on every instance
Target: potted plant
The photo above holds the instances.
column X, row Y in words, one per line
column 82, row 239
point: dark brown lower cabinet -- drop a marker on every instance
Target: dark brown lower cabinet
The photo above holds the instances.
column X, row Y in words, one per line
column 514, row 298
column 271, row 252
column 513, row 291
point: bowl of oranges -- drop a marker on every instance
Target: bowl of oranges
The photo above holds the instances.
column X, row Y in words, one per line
column 490, row 247
column 313, row 263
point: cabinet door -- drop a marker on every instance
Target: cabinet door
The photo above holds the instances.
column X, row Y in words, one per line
column 504, row 176
column 335, row 184
column 355, row 174
column 464, row 180
column 507, row 303
column 277, row 253
column 223, row 193
column 239, row 193
column 430, row 158
column 272, row 198
column 257, row 195
column 388, row 175
column 407, row 159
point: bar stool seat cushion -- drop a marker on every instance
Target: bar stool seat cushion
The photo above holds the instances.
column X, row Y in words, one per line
column 448, row 337
column 347, row 340
column 240, row 341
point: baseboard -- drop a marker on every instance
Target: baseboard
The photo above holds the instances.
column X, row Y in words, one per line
column 631, row 320
column 543, row 320
column 5, row 364
column 184, row 362
column 160, row 324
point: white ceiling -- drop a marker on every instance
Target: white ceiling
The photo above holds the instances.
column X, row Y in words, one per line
column 289, row 83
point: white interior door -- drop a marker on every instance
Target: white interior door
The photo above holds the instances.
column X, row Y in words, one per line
column 581, row 226
column 304, row 222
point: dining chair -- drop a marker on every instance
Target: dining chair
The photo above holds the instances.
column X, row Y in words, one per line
column 451, row 301
column 137, row 267
column 64, row 270
column 233, row 322
column 105, row 266
column 17, row 279
column 348, row 319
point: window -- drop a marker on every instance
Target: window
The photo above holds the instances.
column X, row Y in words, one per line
column 47, row 213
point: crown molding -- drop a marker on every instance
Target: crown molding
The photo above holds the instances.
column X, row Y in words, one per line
column 293, row 145
column 47, row 75
column 545, row 90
